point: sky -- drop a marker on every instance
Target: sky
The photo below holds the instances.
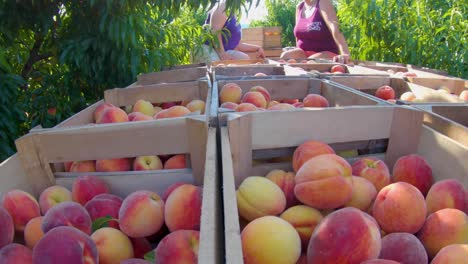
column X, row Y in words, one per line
column 254, row 13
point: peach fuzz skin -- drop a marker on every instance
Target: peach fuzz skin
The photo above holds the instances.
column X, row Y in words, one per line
column 15, row 254
column 455, row 253
column 182, row 209
column 113, row 246
column 7, row 228
column 85, row 188
column 180, row 246
column 33, row 232
column 448, row 193
column 308, row 150
column 67, row 214
column 414, row 170
column 374, row 170
column 21, row 206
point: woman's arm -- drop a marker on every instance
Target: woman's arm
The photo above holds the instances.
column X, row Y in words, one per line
column 245, row 47
column 329, row 15
column 217, row 21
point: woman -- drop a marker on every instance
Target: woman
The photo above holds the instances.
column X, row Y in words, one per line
column 317, row 33
column 229, row 35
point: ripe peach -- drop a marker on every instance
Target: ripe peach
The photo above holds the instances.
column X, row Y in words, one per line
column 65, row 244
column 144, row 107
column 33, row 232
column 168, row 105
column 304, row 219
column 356, row 233
column 308, row 150
column 261, row 90
column 374, row 170
column 442, row 228
column 291, row 61
column 52, row 196
column 175, row 111
column 255, row 98
column 170, row 189
column 319, row 178
column 113, row 245
column 284, row 180
column 456, row 253
column 196, row 105
column 448, row 193
column 156, row 109
column 7, row 228
column 21, row 206
column 147, row 163
column 400, row 207
column 15, row 254
column 289, row 101
column 261, row 245
column 109, row 196
column 108, row 165
column 84, row 188
column 137, row 116
column 229, row 105
column 176, row 162
column 180, row 246
column 99, row 207
column 230, row 92
column 363, row 194
column 141, row 246
column 385, row 92
column 100, row 109
column 135, row 261
column 272, row 103
column 380, row 261
column 67, row 214
column 298, row 105
column 315, row 100
column 67, row 165
column 464, row 95
column 141, row 214
column 161, row 114
column 414, row 170
column 281, row 106
column 404, row 248
column 258, row 196
column 246, row 107
column 260, row 74
column 338, row 68
column 112, row 115
column 182, row 209
column 408, row 96
column 83, row 166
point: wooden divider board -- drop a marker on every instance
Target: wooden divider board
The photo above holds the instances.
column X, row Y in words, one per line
column 183, row 74
column 403, row 125
column 268, row 69
column 456, row 86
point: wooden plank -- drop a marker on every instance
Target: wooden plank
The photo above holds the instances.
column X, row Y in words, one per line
column 360, row 83
column 85, row 116
column 238, row 62
column 172, row 76
column 13, row 176
column 338, row 96
column 452, row 128
column 457, row 113
column 428, row 95
column 456, row 86
column 268, row 69
column 241, row 146
column 197, row 133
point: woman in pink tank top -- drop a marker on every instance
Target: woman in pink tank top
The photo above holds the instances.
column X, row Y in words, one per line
column 317, row 33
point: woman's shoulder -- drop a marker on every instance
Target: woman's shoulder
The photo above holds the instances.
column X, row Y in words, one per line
column 300, row 5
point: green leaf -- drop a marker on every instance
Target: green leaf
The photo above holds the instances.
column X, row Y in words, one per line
column 150, row 256
column 102, row 222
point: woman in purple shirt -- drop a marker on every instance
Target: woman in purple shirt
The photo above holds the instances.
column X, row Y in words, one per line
column 317, row 33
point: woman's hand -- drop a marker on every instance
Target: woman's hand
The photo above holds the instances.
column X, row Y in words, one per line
column 260, row 53
column 344, row 58
column 224, row 56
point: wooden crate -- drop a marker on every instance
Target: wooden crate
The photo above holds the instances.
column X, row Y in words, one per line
column 262, row 134
column 267, row 37
column 269, row 53
column 30, row 169
column 238, row 62
column 456, row 86
column 247, row 70
column 183, row 73
column 321, row 70
column 369, row 85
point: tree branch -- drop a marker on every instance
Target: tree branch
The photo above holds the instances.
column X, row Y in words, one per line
column 34, row 57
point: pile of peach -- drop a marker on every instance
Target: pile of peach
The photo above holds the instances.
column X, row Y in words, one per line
column 387, row 93
column 144, row 110
column 140, row 163
column 329, row 211
column 258, row 99
column 90, row 225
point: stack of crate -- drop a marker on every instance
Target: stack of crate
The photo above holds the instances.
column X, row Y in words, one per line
column 267, row 37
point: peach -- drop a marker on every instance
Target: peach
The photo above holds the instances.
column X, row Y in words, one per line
column 113, row 246
column 408, row 96
column 175, row 111
column 100, row 109
column 112, row 115
column 170, row 189
column 442, row 228
column 104, row 207
column 281, row 106
column 33, row 232
column 302, row 259
column 363, row 194
column 15, row 254
column 318, row 180
column 347, row 235
column 176, row 162
column 246, row 107
column 284, row 180
column 65, row 244
column 21, row 206
column 298, row 105
column 448, row 193
column 258, row 196
column 135, row 261
column 7, row 228
column 230, row 92
column 138, row 116
column 272, row 103
column 380, row 261
column 161, row 114
column 84, row 188
column 67, row 214
column 308, row 150
column 400, row 207
column 304, row 219
column 141, row 246
column 83, row 166
column 414, row 170
column 168, row 105
column 456, row 253
column 180, row 246
column 260, row 74
column 255, row 98
column 291, row 61
column 196, row 105
column 289, row 101
column 157, row 109
column 315, row 100
column 229, row 105
column 261, row 245
column 338, row 68
column 464, row 95
column 182, row 209
column 141, row 214
column 261, row 90
column 147, row 163
column 404, row 248
column 67, row 165
column 385, row 92
column 374, row 170
column 109, row 196
column 108, row 165
column 144, row 107
column 52, row 196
